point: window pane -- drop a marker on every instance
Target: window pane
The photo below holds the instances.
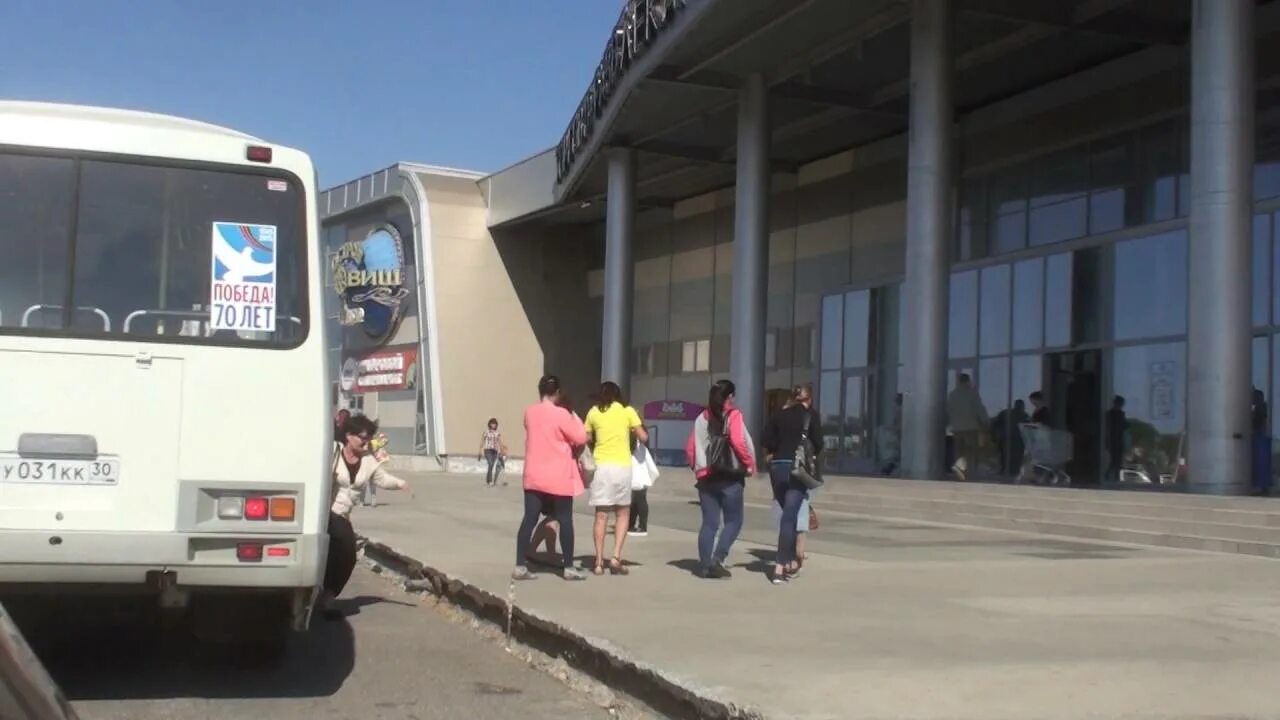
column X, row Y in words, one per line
column 993, row 384
column 1009, row 233
column 1063, row 221
column 831, row 412
column 1057, row 300
column 1028, row 304
column 35, row 204
column 1261, row 269
column 963, row 332
column 994, row 325
column 148, row 236
column 1275, row 271
column 1152, row 380
column 1026, row 377
column 704, row 355
column 1151, row 286
column 1160, row 163
column 854, row 438
column 1111, row 177
column 832, row 312
column 857, row 327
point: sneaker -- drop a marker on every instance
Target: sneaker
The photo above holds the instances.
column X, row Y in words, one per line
column 720, row 572
column 778, row 579
column 573, row 575
column 637, row 533
column 522, row 573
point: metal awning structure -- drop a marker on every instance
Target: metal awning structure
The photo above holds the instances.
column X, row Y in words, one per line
column 838, row 77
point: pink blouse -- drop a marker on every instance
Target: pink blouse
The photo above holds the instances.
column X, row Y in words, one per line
column 551, row 434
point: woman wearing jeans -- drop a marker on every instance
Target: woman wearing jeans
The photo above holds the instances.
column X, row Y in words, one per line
column 720, row 491
column 551, row 475
column 782, row 435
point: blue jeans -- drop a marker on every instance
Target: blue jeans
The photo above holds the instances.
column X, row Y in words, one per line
column 491, row 456
column 790, row 496
column 719, row 498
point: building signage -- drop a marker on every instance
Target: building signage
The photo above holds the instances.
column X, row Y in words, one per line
column 640, row 24
column 368, row 275
column 672, row 410
column 385, row 370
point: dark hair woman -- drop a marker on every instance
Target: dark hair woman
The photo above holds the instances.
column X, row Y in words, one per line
column 721, row 456
column 783, row 434
column 354, row 467
column 611, row 424
column 551, row 475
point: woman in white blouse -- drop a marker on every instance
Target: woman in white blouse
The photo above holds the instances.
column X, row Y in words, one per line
column 354, row 467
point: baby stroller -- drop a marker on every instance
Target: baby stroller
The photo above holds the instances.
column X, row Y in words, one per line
column 1048, row 452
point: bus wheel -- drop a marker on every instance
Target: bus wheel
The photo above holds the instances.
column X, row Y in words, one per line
column 251, row 629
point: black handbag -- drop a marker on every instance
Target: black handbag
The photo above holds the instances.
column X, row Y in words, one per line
column 721, row 458
column 804, row 467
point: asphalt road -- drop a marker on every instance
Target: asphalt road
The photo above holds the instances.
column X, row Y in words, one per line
column 394, row 659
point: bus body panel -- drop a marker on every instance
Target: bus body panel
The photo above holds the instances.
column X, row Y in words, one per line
column 187, row 421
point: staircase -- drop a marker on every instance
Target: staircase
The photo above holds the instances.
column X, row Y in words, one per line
column 1248, row 526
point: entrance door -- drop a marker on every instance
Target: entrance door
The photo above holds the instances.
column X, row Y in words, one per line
column 856, row 454
column 1075, row 403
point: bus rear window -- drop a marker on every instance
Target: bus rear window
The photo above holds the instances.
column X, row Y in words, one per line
column 151, row 252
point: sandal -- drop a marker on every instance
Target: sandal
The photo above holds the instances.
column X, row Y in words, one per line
column 617, row 568
column 599, row 569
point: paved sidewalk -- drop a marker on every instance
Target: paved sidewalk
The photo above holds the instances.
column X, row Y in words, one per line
column 890, row 620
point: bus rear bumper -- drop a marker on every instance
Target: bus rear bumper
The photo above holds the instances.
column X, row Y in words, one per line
column 150, row 560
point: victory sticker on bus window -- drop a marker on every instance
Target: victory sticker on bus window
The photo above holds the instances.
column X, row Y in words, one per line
column 243, row 291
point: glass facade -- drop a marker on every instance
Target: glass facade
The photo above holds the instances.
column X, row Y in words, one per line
column 1070, row 279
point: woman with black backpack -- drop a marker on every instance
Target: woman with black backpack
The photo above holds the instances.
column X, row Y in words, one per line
column 721, row 456
column 791, row 442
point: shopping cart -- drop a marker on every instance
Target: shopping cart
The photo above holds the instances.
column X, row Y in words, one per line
column 1048, row 452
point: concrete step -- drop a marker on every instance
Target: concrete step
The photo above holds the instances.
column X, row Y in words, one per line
column 1240, row 525
column 1259, row 512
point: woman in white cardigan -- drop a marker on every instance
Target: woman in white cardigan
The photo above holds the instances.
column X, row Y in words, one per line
column 354, row 467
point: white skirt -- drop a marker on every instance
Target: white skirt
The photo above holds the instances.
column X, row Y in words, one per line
column 610, row 485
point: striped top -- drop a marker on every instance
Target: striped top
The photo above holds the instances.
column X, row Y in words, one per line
column 492, row 440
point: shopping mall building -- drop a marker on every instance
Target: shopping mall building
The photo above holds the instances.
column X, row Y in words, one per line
column 873, row 196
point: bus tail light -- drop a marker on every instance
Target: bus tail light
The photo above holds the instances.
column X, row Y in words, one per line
column 255, row 508
column 277, row 552
column 282, row 508
column 249, row 552
column 230, row 507
column 258, row 154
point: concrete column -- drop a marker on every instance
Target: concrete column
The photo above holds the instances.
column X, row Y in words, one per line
column 619, row 272
column 1218, row 348
column 751, row 252
column 925, row 292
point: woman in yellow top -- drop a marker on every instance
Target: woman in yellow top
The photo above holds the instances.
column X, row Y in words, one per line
column 610, row 427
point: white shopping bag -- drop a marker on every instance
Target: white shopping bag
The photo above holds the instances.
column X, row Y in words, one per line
column 644, row 471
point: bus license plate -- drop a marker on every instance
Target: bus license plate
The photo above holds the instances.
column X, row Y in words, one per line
column 103, row 471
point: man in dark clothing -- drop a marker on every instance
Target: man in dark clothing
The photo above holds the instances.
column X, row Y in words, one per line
column 1116, row 423
column 1261, row 444
column 1007, row 431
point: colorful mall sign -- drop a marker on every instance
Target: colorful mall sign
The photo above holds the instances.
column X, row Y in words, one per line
column 640, row 24
column 671, row 410
column 386, row 370
column 369, row 277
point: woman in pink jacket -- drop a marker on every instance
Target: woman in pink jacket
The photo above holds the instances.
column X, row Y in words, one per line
column 551, row 475
column 721, row 481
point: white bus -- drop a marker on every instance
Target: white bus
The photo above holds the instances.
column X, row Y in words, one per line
column 163, row 416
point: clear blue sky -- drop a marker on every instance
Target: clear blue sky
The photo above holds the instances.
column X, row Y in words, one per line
column 360, row 84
